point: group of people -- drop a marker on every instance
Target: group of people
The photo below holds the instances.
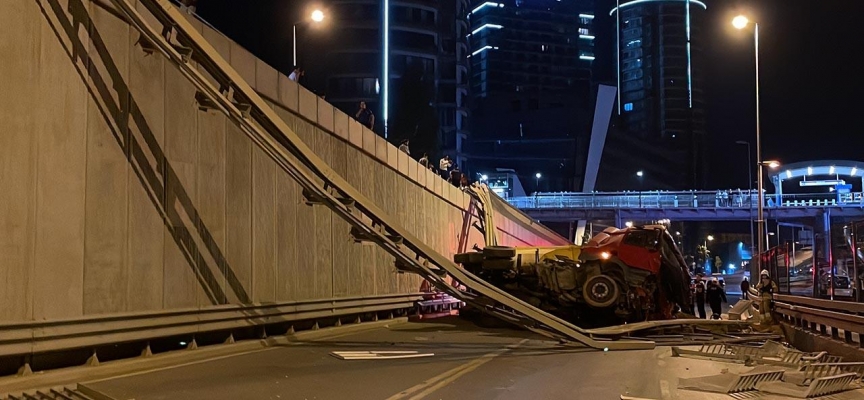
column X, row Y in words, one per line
column 709, row 291
column 448, row 170
column 715, row 295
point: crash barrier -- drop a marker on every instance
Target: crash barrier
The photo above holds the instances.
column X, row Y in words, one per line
column 838, row 320
column 224, row 90
column 742, row 310
column 28, row 341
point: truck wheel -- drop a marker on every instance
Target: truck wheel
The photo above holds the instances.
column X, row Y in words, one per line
column 468, row 258
column 600, row 291
column 499, row 252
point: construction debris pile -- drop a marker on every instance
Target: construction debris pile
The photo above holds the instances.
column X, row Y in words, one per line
column 777, row 370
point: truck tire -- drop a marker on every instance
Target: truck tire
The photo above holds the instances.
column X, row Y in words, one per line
column 468, row 258
column 600, row 291
column 499, row 252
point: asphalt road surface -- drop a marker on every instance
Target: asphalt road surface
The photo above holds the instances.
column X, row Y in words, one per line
column 468, row 363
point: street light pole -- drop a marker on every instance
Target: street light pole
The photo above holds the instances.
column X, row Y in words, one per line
column 760, row 213
column 749, row 191
column 740, row 22
column 317, row 16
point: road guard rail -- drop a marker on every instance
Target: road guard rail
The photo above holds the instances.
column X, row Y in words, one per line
column 841, row 320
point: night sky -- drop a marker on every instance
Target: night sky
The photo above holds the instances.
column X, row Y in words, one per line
column 811, row 86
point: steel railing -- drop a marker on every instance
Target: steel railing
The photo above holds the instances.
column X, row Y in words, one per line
column 840, row 320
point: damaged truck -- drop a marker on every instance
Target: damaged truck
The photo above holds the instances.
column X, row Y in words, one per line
column 620, row 275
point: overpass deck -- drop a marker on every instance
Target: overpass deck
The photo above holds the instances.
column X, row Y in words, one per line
column 684, row 205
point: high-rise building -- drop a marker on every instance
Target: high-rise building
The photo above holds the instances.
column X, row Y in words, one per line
column 419, row 92
column 530, row 65
column 661, row 125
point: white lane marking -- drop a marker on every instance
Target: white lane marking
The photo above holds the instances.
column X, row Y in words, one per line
column 429, row 386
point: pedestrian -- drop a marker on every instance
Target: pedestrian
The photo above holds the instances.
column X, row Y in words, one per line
column 296, row 74
column 424, row 161
column 455, row 176
column 699, row 289
column 745, row 289
column 444, row 166
column 365, row 116
column 766, row 288
column 403, row 147
column 715, row 295
column 463, row 183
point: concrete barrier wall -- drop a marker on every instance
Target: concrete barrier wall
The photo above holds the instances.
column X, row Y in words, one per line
column 120, row 195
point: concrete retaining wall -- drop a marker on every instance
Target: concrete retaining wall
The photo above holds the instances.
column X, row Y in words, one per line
column 119, row 195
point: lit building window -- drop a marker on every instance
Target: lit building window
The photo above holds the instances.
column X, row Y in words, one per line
column 628, row 107
column 583, row 31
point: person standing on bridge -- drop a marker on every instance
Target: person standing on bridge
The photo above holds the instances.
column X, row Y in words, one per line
column 766, row 288
column 444, row 166
column 365, row 116
column 699, row 293
column 716, row 296
column 745, row 289
column 296, row 74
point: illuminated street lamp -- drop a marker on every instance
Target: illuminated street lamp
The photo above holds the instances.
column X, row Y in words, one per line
column 317, row 16
column 538, row 176
column 741, row 22
column 640, row 173
column 705, row 244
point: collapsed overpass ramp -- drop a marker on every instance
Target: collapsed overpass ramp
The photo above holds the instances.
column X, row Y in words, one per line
column 224, row 89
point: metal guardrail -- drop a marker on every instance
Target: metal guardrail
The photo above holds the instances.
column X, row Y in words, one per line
column 49, row 336
column 687, row 199
column 824, row 317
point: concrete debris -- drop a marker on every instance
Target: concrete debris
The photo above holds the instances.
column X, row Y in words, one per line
column 378, row 355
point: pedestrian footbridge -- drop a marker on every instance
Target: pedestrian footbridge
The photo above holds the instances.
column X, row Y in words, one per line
column 685, row 205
